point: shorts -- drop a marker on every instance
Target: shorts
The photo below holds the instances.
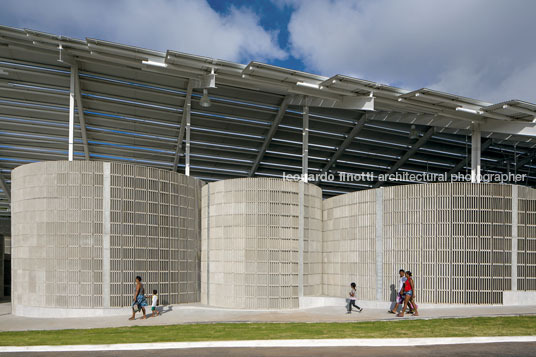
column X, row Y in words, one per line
column 153, row 308
column 410, row 293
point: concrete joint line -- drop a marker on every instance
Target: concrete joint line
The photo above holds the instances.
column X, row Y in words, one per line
column 515, row 196
column 301, row 236
column 106, row 194
column 379, row 243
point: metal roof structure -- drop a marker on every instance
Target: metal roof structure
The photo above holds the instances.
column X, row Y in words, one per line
column 132, row 105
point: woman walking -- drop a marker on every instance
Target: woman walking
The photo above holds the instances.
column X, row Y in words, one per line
column 139, row 301
column 409, row 295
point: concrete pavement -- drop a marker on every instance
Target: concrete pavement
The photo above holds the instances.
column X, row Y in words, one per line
column 197, row 313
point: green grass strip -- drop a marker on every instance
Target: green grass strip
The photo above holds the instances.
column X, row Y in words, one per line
column 464, row 327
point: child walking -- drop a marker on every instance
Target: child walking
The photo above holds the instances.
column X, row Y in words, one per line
column 351, row 301
column 154, row 304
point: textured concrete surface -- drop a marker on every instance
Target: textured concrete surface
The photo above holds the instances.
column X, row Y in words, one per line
column 197, row 313
column 251, row 243
column 81, row 236
column 456, row 238
column 2, row 266
column 519, row 297
column 82, row 233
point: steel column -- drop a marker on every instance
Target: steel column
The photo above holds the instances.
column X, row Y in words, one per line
column 476, row 149
column 275, row 124
column 81, row 118
column 515, row 195
column 187, row 152
column 460, row 165
column 185, row 114
column 71, row 114
column 305, row 141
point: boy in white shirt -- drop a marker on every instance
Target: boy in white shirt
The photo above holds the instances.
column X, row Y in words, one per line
column 154, row 304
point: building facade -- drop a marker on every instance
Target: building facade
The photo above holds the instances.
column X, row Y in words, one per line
column 81, row 232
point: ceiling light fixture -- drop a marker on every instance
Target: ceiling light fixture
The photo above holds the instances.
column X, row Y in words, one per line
column 205, row 100
column 413, row 133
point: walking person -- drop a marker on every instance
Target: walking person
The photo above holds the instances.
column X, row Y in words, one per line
column 400, row 295
column 351, row 300
column 409, row 295
column 139, row 302
column 154, row 304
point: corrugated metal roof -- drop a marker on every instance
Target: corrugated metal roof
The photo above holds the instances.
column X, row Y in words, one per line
column 133, row 101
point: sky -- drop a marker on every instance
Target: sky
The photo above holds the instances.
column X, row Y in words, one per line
column 483, row 49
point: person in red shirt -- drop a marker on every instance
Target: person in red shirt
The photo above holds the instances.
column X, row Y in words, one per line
column 409, row 295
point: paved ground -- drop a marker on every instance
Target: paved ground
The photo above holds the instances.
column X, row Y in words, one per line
column 196, row 313
column 487, row 350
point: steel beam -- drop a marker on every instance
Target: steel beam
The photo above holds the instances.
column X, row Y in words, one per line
column 460, row 165
column 71, row 115
column 347, row 141
column 81, row 118
column 525, row 160
column 422, row 140
column 275, row 124
column 305, row 141
column 186, row 109
column 3, row 185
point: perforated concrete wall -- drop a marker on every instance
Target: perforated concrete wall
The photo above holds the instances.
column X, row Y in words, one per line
column 252, row 230
column 82, row 231
column 526, row 241
column 1, row 266
column 455, row 237
column 349, row 244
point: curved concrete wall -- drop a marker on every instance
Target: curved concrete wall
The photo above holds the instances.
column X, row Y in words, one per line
column 82, row 231
column 455, row 237
column 252, row 230
column 349, row 244
column 2, row 252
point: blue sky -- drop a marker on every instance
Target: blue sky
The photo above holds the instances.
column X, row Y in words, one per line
column 476, row 48
column 274, row 16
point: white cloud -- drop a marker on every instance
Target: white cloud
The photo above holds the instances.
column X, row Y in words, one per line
column 482, row 49
column 190, row 26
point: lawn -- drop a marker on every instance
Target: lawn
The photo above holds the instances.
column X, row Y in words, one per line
column 478, row 326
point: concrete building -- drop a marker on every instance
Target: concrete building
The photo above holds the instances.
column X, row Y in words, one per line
column 82, row 231
column 465, row 243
